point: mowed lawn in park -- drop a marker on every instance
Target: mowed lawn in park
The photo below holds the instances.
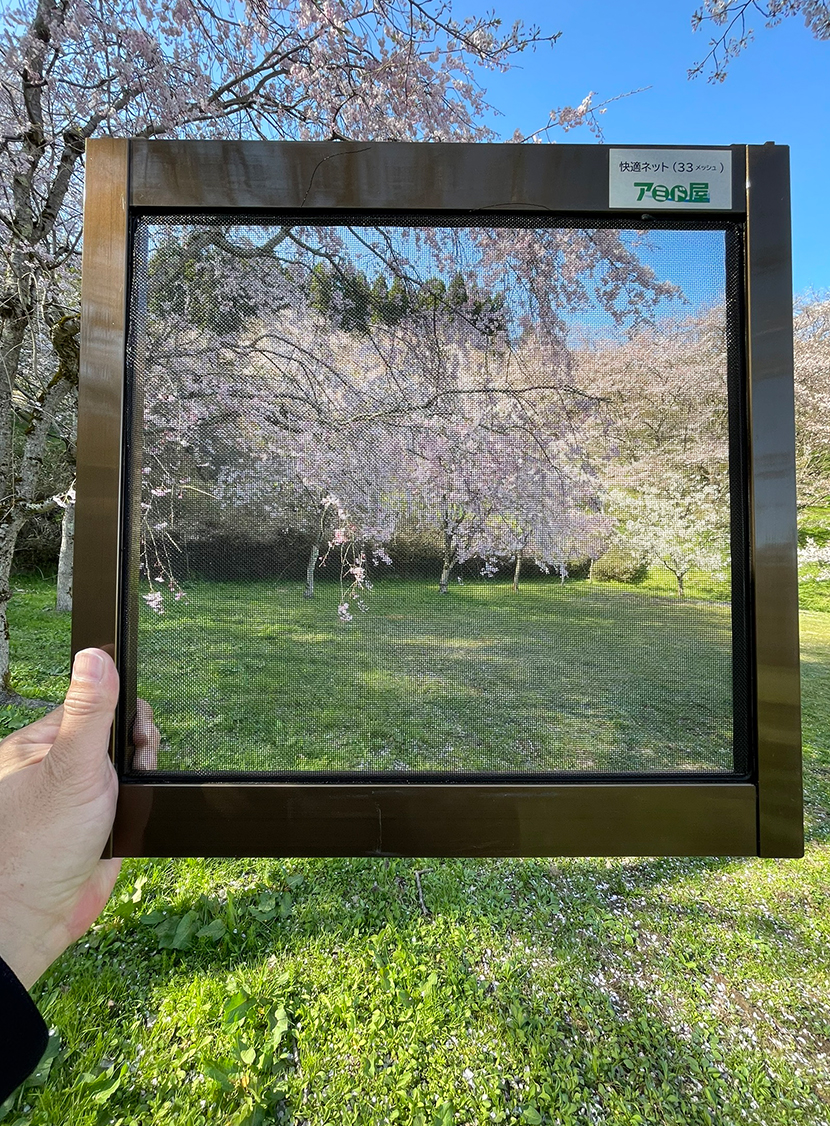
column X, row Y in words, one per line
column 434, row 992
column 573, row 676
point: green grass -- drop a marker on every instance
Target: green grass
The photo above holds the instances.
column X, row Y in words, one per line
column 629, row 992
column 559, row 676
column 814, row 523
column 40, row 639
column 697, row 585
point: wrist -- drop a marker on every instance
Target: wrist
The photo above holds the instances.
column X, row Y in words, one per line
column 28, row 950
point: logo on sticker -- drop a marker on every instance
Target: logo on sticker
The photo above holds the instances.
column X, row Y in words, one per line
column 680, row 193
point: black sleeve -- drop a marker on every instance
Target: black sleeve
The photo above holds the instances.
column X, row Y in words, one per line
column 23, row 1033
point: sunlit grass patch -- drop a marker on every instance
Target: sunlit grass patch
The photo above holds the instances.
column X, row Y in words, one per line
column 434, row 992
column 367, row 991
column 557, row 677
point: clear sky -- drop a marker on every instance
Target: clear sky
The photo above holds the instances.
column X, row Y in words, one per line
column 778, row 90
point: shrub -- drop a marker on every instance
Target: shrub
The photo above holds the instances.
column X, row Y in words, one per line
column 39, row 544
column 619, row 566
column 579, row 568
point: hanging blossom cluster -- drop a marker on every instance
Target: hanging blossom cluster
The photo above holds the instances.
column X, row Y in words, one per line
column 347, row 544
column 279, row 68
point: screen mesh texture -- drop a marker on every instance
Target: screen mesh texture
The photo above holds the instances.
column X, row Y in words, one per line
column 415, row 497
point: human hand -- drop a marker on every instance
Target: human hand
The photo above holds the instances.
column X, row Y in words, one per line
column 58, row 791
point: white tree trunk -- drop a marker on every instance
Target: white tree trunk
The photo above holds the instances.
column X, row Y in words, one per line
column 313, row 556
column 517, row 570
column 12, row 333
column 447, row 564
column 20, row 480
column 64, row 597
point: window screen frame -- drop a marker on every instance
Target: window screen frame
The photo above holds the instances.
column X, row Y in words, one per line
column 760, row 815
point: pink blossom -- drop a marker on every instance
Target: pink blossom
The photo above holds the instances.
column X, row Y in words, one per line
column 155, row 601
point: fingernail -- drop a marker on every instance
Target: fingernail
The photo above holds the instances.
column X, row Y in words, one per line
column 89, row 666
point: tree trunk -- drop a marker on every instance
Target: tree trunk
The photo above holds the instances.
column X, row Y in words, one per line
column 13, row 324
column 64, row 598
column 313, row 556
column 8, row 540
column 38, row 189
column 22, row 489
column 518, row 569
column 448, row 564
column 681, row 592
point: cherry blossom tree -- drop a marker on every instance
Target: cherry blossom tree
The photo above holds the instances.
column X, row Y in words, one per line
column 505, row 476
column 71, row 70
column 731, row 23
column 281, row 424
column 347, row 462
column 812, row 399
column 675, row 523
column 663, row 396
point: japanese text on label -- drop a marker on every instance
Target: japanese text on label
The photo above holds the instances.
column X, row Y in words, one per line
column 651, row 179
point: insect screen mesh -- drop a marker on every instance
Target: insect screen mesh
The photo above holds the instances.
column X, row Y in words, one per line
column 421, row 497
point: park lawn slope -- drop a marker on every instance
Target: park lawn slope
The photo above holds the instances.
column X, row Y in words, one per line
column 557, row 677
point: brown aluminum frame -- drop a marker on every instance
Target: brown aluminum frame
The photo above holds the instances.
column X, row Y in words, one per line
column 762, row 816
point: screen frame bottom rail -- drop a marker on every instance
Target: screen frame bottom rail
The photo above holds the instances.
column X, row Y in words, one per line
column 275, row 819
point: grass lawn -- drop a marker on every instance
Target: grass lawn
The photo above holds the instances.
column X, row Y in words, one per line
column 430, row 993
column 557, row 677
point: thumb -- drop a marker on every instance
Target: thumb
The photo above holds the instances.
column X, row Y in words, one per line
column 83, row 739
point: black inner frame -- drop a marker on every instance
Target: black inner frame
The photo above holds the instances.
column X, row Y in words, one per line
column 744, row 728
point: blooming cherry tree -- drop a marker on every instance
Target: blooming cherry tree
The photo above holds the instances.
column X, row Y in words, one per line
column 681, row 526
column 812, row 400
column 70, row 70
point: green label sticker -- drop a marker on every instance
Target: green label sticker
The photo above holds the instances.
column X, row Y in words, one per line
column 659, row 179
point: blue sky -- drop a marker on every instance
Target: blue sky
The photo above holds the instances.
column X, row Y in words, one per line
column 778, row 90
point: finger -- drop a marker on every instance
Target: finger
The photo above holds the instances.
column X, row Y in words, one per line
column 83, row 739
column 145, row 760
column 23, row 754
column 51, row 721
column 146, row 738
column 41, row 730
column 145, row 732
